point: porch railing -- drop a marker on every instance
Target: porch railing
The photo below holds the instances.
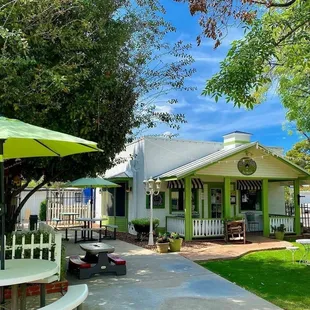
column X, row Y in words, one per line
column 277, row 220
column 208, row 228
column 201, row 227
column 176, row 224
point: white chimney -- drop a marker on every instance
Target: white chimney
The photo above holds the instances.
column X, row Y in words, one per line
column 236, row 138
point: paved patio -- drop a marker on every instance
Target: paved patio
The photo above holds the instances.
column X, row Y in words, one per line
column 230, row 251
column 162, row 281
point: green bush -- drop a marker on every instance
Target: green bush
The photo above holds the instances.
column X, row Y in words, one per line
column 142, row 226
column 42, row 214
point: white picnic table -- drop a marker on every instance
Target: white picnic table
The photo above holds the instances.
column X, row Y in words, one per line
column 306, row 244
column 20, row 271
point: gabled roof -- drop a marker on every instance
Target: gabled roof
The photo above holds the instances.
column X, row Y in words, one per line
column 121, row 175
column 217, row 156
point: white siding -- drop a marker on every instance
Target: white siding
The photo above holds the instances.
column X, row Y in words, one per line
column 268, row 166
column 162, row 155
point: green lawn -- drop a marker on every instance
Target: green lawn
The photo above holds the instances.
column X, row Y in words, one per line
column 270, row 275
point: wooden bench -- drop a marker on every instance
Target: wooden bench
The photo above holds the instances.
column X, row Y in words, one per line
column 116, row 259
column 84, row 231
column 74, row 298
column 113, row 227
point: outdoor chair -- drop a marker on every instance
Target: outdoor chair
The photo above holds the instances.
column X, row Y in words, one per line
column 251, row 223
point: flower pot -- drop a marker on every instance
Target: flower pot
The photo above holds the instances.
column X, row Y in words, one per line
column 279, row 235
column 162, row 247
column 175, row 244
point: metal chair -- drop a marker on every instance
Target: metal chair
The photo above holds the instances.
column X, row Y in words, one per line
column 251, row 223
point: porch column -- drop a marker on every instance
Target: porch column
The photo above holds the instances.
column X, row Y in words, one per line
column 266, row 221
column 188, row 209
column 226, row 213
column 297, row 207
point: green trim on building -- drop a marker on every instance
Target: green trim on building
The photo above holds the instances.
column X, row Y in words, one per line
column 202, row 203
column 188, row 209
column 265, row 208
column 297, row 207
column 226, row 213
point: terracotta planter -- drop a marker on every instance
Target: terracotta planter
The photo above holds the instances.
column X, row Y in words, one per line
column 162, row 247
column 279, row 235
column 175, row 244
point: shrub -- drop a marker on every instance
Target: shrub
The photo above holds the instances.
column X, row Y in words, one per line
column 42, row 214
column 142, row 226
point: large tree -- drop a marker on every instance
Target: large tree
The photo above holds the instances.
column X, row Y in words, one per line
column 274, row 52
column 80, row 67
column 300, row 154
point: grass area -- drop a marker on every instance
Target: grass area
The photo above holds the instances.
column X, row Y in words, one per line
column 270, row 275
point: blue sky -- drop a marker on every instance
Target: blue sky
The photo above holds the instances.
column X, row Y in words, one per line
column 207, row 120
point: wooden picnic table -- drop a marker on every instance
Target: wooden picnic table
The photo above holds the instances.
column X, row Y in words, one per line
column 88, row 224
column 70, row 215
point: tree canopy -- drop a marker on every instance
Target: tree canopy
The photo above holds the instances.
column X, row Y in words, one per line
column 88, row 68
column 273, row 55
column 300, row 154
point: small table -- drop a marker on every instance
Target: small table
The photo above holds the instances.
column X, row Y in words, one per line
column 70, row 214
column 97, row 255
column 306, row 245
column 292, row 249
column 20, row 271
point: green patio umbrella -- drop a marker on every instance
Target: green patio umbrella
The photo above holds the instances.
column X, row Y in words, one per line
column 91, row 183
column 21, row 140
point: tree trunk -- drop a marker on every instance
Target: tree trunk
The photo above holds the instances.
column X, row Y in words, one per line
column 14, row 211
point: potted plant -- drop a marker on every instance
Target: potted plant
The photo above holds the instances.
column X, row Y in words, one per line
column 162, row 243
column 279, row 231
column 175, row 242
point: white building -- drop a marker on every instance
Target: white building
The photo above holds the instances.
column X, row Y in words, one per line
column 202, row 183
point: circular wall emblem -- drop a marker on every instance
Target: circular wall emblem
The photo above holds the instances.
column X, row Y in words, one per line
column 247, row 166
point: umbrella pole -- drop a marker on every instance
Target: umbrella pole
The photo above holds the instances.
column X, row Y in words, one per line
column 2, row 206
column 2, row 214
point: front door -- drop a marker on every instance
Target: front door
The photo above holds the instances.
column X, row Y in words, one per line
column 114, row 202
column 216, row 202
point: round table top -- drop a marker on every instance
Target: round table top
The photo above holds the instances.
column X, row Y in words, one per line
column 303, row 241
column 88, row 219
column 95, row 248
column 19, row 271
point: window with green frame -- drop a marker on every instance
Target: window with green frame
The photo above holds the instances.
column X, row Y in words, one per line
column 177, row 199
column 158, row 201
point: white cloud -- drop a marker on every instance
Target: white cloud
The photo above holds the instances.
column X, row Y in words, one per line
column 164, row 109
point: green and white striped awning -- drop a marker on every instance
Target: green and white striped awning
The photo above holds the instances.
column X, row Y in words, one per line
column 249, row 185
column 177, row 184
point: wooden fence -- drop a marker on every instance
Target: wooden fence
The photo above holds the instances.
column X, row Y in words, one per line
column 59, row 202
column 304, row 213
column 20, row 247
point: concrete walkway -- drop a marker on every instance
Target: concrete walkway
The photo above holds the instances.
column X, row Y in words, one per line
column 230, row 251
column 162, row 281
